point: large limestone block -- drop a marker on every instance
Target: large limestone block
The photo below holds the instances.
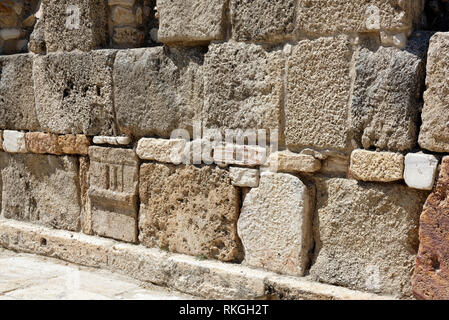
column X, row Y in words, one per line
column 386, row 99
column 113, row 180
column 318, row 91
column 74, row 92
column 189, row 210
column 431, row 277
column 366, row 235
column 286, row 161
column 158, row 90
column 377, row 166
column 434, row 133
column 262, row 20
column 275, row 224
column 243, row 86
column 191, row 21
column 17, row 93
column 75, row 24
column 323, row 17
column 41, row 189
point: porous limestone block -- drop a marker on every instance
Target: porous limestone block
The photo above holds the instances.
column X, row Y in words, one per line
column 14, row 142
column 261, row 20
column 376, row 166
column 113, row 180
column 191, row 22
column 157, row 90
column 162, row 150
column 420, row 170
column 285, row 161
column 74, row 144
column 39, row 142
column 190, row 210
column 385, row 102
column 41, row 189
column 113, row 141
column 244, row 177
column 75, row 24
column 243, row 87
column 17, row 110
column 434, row 134
column 431, row 276
column 240, row 155
column 324, row 17
column 318, row 91
column 74, row 92
column 366, row 235
column 275, row 224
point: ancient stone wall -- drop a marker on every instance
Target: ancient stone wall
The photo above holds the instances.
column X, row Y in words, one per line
column 231, row 148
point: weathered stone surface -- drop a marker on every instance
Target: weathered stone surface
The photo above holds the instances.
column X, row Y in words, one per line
column 243, row 177
column 240, row 155
column 318, row 90
column 377, row 166
column 74, row 92
column 14, row 142
column 38, row 142
column 113, row 180
column 434, row 133
column 74, row 144
column 189, row 210
column 431, row 277
column 420, row 170
column 243, row 87
column 275, row 224
column 385, row 102
column 341, row 16
column 366, row 235
column 75, row 24
column 17, row 93
column 157, row 90
column 162, row 150
column 86, row 212
column 42, row 189
column 1, row 140
column 191, row 22
column 290, row 162
column 261, row 20
column 114, row 141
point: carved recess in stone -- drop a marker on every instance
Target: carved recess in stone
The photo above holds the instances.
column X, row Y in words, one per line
column 113, row 178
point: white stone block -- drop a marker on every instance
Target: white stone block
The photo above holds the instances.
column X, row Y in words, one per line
column 420, row 170
column 163, row 150
column 243, row 177
column 14, row 142
column 114, row 141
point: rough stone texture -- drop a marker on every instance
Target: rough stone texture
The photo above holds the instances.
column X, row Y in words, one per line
column 113, row 180
column 286, row 161
column 434, row 133
column 431, row 277
column 377, row 166
column 1, row 140
column 115, row 141
column 341, row 16
column 14, row 142
column 366, row 235
column 386, row 98
column 240, row 155
column 38, row 142
column 169, row 151
column 86, row 212
column 157, row 90
column 189, row 210
column 275, row 224
column 243, row 177
column 243, row 87
column 61, row 31
column 191, row 22
column 318, row 90
column 420, row 170
column 74, row 144
column 42, row 189
column 261, row 20
column 17, row 93
column 74, row 92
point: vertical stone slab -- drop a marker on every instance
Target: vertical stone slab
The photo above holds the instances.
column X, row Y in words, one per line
column 113, row 180
column 189, row 210
column 275, row 224
column 431, row 277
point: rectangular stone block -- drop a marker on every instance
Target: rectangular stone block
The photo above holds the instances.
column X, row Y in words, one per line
column 41, row 189
column 39, row 142
column 434, row 134
column 376, row 166
column 75, row 24
column 420, row 170
column 191, row 22
column 290, row 162
column 243, row 177
column 113, row 180
column 189, row 210
column 366, row 235
column 74, row 92
column 158, row 90
column 74, row 144
column 17, row 110
column 264, row 21
column 14, row 142
column 162, row 150
column 113, row 141
column 243, row 86
column 318, row 91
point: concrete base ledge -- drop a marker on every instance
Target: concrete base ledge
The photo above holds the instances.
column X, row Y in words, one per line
column 203, row 278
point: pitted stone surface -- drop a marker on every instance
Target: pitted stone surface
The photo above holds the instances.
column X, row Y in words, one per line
column 189, row 210
column 286, row 161
column 163, row 150
column 377, row 166
column 243, row 177
column 420, row 170
column 275, row 224
column 114, row 141
column 74, row 144
column 39, row 142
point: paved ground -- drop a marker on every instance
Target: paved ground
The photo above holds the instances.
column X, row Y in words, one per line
column 26, row 276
